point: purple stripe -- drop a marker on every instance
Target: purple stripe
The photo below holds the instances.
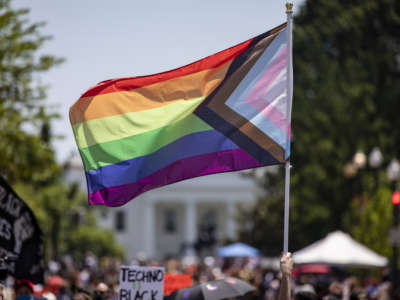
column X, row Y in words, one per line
column 211, row 163
column 132, row 170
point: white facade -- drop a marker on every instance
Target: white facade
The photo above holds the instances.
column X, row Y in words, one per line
column 166, row 221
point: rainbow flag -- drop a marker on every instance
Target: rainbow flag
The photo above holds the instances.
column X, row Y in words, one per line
column 226, row 112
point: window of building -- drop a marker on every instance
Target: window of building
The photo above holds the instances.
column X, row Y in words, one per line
column 103, row 213
column 207, row 229
column 209, row 218
column 120, row 221
column 170, row 221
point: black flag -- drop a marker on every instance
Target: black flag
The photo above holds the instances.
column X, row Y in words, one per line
column 21, row 244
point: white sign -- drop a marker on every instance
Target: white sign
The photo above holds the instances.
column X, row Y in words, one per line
column 141, row 283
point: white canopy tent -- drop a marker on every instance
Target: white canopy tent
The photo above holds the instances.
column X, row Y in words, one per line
column 338, row 248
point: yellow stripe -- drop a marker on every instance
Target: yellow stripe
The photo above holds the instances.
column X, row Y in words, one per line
column 117, row 127
column 159, row 94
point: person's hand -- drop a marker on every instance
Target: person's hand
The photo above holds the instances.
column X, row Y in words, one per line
column 286, row 270
column 286, row 264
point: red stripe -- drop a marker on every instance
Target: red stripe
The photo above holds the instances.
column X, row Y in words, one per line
column 130, row 83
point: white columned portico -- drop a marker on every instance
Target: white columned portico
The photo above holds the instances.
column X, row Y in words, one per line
column 149, row 228
column 190, row 227
column 231, row 220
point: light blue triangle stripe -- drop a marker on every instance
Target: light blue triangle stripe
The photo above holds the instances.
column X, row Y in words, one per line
column 287, row 150
column 236, row 100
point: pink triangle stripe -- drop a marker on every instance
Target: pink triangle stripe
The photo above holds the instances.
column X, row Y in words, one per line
column 266, row 90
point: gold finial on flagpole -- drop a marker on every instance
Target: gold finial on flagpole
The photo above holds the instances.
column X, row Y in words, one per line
column 289, row 7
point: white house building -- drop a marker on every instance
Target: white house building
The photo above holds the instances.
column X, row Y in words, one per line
column 168, row 221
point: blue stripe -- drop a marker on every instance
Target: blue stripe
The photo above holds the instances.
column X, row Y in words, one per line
column 135, row 169
column 287, row 150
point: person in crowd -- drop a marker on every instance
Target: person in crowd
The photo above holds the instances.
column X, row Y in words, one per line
column 81, row 296
column 24, row 290
column 305, row 292
column 102, row 292
column 2, row 291
column 335, row 291
column 102, row 282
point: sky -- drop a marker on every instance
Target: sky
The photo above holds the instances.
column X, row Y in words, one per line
column 103, row 39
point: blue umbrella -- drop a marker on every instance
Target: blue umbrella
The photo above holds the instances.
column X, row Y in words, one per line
column 238, row 250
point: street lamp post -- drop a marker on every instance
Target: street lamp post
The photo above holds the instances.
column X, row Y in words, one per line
column 393, row 173
column 375, row 160
column 395, row 245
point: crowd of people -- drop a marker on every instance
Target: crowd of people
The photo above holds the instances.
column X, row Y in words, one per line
column 98, row 279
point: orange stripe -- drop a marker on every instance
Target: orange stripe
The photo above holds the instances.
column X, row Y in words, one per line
column 187, row 87
column 130, row 83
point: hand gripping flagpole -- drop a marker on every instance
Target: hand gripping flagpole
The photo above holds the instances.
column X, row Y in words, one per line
column 289, row 82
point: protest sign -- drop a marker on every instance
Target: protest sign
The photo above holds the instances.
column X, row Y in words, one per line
column 173, row 282
column 21, row 246
column 141, row 283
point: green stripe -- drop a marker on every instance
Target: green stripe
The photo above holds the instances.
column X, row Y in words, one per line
column 124, row 125
column 142, row 144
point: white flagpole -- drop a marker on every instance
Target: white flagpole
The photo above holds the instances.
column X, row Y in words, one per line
column 289, row 82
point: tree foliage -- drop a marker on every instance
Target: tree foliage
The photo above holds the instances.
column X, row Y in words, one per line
column 69, row 225
column 346, row 98
column 369, row 221
column 27, row 159
column 25, row 134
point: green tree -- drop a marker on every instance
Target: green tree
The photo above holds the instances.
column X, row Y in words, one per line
column 68, row 223
column 369, row 220
column 346, row 98
column 25, row 134
column 262, row 225
column 27, row 159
